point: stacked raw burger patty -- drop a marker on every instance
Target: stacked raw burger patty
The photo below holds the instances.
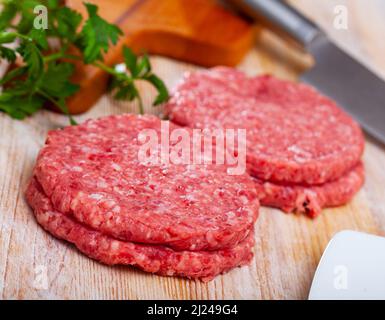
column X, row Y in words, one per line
column 302, row 149
column 90, row 188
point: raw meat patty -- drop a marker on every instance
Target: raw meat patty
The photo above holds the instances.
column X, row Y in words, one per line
column 311, row 199
column 294, row 134
column 150, row 258
column 92, row 172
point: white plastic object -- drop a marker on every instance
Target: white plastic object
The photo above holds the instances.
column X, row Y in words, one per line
column 352, row 267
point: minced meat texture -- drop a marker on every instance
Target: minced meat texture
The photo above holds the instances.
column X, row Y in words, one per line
column 91, row 172
column 294, row 134
column 311, row 199
column 151, row 258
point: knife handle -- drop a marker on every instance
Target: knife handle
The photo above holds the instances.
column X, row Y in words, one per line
column 282, row 18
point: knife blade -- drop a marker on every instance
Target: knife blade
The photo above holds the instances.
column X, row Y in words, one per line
column 335, row 73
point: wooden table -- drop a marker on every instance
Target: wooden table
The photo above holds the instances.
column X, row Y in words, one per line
column 288, row 247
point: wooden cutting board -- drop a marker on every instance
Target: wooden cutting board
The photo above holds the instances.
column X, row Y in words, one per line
column 288, row 247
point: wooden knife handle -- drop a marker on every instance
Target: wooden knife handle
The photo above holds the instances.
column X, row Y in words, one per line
column 196, row 31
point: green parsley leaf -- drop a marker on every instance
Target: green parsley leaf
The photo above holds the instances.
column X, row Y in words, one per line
column 19, row 107
column 13, row 74
column 7, row 37
column 97, row 35
column 26, row 8
column 124, row 89
column 130, row 60
column 53, row 4
column 40, row 38
column 163, row 94
column 67, row 23
column 55, row 81
column 33, row 58
column 7, row 14
column 7, row 53
column 144, row 67
column 123, row 85
column 46, row 72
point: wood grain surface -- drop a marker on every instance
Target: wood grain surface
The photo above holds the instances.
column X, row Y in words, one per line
column 288, row 247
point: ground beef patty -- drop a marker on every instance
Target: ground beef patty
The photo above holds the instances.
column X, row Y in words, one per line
column 294, row 134
column 150, row 258
column 311, row 199
column 92, row 173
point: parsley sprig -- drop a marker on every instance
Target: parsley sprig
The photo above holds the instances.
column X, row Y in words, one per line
column 45, row 72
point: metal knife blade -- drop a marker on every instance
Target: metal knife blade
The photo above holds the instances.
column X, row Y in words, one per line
column 358, row 90
column 336, row 74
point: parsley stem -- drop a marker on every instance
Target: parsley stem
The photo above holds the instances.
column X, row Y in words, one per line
column 140, row 103
column 22, row 36
column 62, row 107
column 107, row 69
column 113, row 72
column 121, row 75
column 60, row 55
